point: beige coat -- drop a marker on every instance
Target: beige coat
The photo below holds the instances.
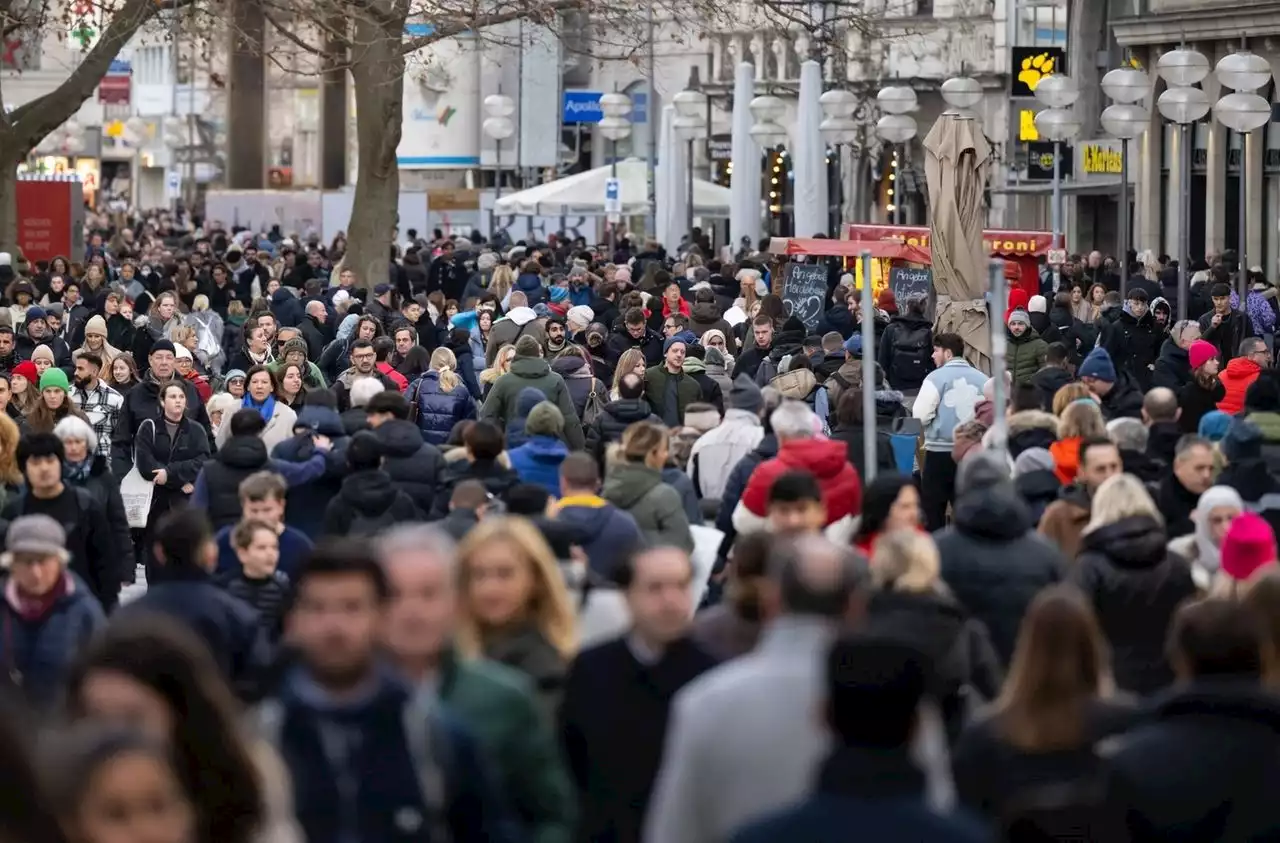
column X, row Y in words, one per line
column 278, row 429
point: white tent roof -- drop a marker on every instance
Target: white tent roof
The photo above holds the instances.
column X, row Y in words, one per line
column 583, row 194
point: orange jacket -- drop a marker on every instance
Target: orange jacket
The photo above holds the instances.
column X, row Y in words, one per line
column 1236, row 379
column 1066, row 459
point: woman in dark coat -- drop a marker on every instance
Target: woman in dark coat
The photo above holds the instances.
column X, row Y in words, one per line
column 459, row 342
column 1134, row 583
column 849, row 429
column 440, row 399
column 574, row 365
column 82, row 466
column 1203, row 391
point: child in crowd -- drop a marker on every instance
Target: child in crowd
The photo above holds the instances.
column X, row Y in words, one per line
column 259, row 582
column 262, row 498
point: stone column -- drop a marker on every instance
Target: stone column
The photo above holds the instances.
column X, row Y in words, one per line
column 1215, row 184
column 1172, row 195
column 1254, row 197
column 1148, row 154
column 246, row 97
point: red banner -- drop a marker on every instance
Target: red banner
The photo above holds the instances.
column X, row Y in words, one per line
column 45, row 219
column 998, row 241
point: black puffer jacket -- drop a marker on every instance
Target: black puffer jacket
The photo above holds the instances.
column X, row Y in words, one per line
column 497, row 480
column 181, row 457
column 1135, row 585
column 304, row 509
column 238, row 457
column 1173, row 367
column 1074, row 334
column 904, row 351
column 994, row 562
column 1124, row 401
column 106, row 491
column 142, row 403
column 616, row 417
column 413, row 465
column 368, row 503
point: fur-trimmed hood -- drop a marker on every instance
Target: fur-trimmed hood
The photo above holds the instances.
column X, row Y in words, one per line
column 1026, row 420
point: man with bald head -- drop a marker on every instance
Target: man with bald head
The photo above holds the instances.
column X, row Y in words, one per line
column 1160, row 413
column 315, row 329
column 744, row 740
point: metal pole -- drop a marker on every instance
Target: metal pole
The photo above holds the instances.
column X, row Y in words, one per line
column 1055, row 215
column 897, row 189
column 497, row 186
column 1243, row 280
column 1124, row 217
column 173, row 109
column 996, row 282
column 689, row 216
column 651, row 150
column 1184, row 214
column 613, row 173
column 868, row 371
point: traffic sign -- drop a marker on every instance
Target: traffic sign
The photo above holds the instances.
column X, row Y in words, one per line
column 1057, row 257
column 612, row 196
column 174, row 184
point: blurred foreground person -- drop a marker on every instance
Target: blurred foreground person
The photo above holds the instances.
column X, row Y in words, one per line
column 868, row 781
column 496, row 702
column 743, row 740
column 618, row 696
column 369, row 761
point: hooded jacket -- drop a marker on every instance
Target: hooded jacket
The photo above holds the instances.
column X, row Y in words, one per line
column 993, row 560
column 439, row 411
column 368, row 502
column 656, row 507
column 528, row 398
column 519, row 322
column 496, row 478
column 304, row 509
column 1031, row 429
column 581, row 382
column 1172, row 367
column 412, row 465
column 802, row 385
column 716, row 452
column 614, row 419
column 1024, row 355
column 1236, row 379
column 707, row 315
column 611, row 533
column 710, row 390
column 538, row 461
column 824, row 459
column 533, row 372
column 1135, row 586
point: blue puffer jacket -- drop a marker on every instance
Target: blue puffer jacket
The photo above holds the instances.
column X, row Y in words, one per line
column 538, row 461
column 42, row 651
column 439, row 411
column 531, row 286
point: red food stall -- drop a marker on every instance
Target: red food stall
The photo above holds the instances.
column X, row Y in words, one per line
column 1019, row 247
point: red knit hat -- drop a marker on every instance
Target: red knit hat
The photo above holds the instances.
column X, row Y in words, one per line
column 1200, row 353
column 28, row 370
column 1250, row 544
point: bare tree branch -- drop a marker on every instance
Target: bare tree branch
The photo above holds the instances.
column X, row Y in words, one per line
column 449, row 30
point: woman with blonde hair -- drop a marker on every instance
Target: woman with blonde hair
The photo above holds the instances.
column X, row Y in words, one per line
column 502, row 280
column 501, row 365
column 514, row 608
column 1080, row 420
column 632, row 360
column 1134, row 582
column 209, row 332
column 634, row 484
column 11, row 479
column 439, row 399
column 1068, row 394
column 1056, row 703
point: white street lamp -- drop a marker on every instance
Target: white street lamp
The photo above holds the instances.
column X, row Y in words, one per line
column 767, row 130
column 1126, row 121
column 839, row 129
column 1183, row 104
column 1058, row 123
column 962, row 93
column 690, row 127
column 897, row 99
column 1243, row 112
column 614, row 126
column 499, row 126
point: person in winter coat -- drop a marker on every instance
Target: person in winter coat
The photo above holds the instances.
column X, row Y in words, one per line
column 1036, row 481
column 695, row 367
column 413, row 465
column 669, row 390
column 905, row 346
column 1241, row 373
column 1134, row 584
column 1225, row 327
column 1173, row 367
column 1218, row 507
column 369, row 501
column 913, row 605
column 587, row 392
column 260, row 395
column 528, row 369
column 439, row 400
column 1180, row 489
column 706, row 315
column 1076, row 336
column 86, row 469
column 1056, row 373
column 796, row 428
column 800, row 384
column 1081, row 422
column 1142, row 338
column 1026, row 350
column 1177, row 766
column 610, row 534
column 634, row 484
column 1117, row 394
column 848, row 428
column 617, row 416
column 520, row 321
column 142, row 402
column 484, row 462
column 305, row 504
column 992, row 559
column 1203, row 391
column 170, row 454
column 528, row 398
column 538, row 460
column 716, row 452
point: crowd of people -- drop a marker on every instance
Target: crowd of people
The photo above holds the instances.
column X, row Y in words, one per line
column 534, row 542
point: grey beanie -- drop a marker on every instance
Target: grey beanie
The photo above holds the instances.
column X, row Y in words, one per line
column 745, row 395
column 1033, row 459
column 544, row 420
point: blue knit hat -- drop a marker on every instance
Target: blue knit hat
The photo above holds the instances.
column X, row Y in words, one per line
column 1214, row 425
column 1243, row 440
column 1098, row 365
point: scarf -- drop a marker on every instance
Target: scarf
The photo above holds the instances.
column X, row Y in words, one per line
column 266, row 409
column 77, row 472
column 32, row 609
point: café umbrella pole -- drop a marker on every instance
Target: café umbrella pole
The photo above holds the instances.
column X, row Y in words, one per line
column 997, row 284
column 868, row 372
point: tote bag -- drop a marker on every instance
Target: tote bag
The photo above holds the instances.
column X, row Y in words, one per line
column 137, row 492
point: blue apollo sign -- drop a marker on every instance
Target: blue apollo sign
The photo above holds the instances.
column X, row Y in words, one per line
column 584, row 107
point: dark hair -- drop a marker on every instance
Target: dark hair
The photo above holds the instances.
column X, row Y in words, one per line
column 761, row 320
column 580, row 471
column 181, row 537
column 1026, row 396
column 389, row 401
column 1057, row 354
column 631, row 386
column 92, row 358
column 81, row 753
column 484, row 440
column 469, row 494
column 878, row 498
column 24, row 805
column 244, row 531
column 949, row 342
column 343, row 557
column 39, row 445
column 527, row 499
column 1093, row 442
column 635, row 316
column 364, row 451
column 679, row 320
column 795, row 487
column 271, row 375
column 849, row 407
column 361, row 345
column 382, row 348
column 247, row 422
column 1216, row 637
column 1219, row 291
column 1137, row 294
column 874, row 687
column 211, row 757
column 624, row 571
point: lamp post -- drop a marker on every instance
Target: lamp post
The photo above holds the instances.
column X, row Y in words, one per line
column 896, row 127
column 962, row 93
column 838, row 128
column 1058, row 123
column 1126, row 120
column 1242, row 112
column 1184, row 104
column 767, row 131
column 615, row 126
column 499, row 126
column 690, row 125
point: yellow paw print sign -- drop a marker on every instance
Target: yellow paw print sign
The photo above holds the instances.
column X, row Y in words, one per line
column 1035, row 68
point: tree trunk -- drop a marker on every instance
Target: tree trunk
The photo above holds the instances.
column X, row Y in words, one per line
column 9, row 197
column 377, row 74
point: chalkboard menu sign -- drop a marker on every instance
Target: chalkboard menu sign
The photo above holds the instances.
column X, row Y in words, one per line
column 906, row 282
column 804, row 292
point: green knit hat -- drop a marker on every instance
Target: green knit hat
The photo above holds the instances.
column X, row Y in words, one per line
column 53, row 376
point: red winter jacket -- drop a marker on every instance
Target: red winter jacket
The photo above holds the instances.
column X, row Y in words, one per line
column 825, row 459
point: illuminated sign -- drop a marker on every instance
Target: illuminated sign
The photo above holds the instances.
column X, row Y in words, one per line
column 1027, row 125
column 1100, row 160
column 1030, row 65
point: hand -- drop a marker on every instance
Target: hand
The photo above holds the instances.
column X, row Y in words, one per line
column 1217, row 320
column 188, row 488
column 161, row 477
column 323, row 443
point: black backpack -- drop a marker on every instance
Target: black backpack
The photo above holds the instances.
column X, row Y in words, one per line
column 909, row 355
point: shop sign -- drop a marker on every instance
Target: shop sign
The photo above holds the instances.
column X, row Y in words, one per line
column 1101, row 159
column 1030, row 65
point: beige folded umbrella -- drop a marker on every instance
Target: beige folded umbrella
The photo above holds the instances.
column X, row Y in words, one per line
column 957, row 157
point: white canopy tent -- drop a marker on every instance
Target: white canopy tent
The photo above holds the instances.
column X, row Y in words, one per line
column 582, row 194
